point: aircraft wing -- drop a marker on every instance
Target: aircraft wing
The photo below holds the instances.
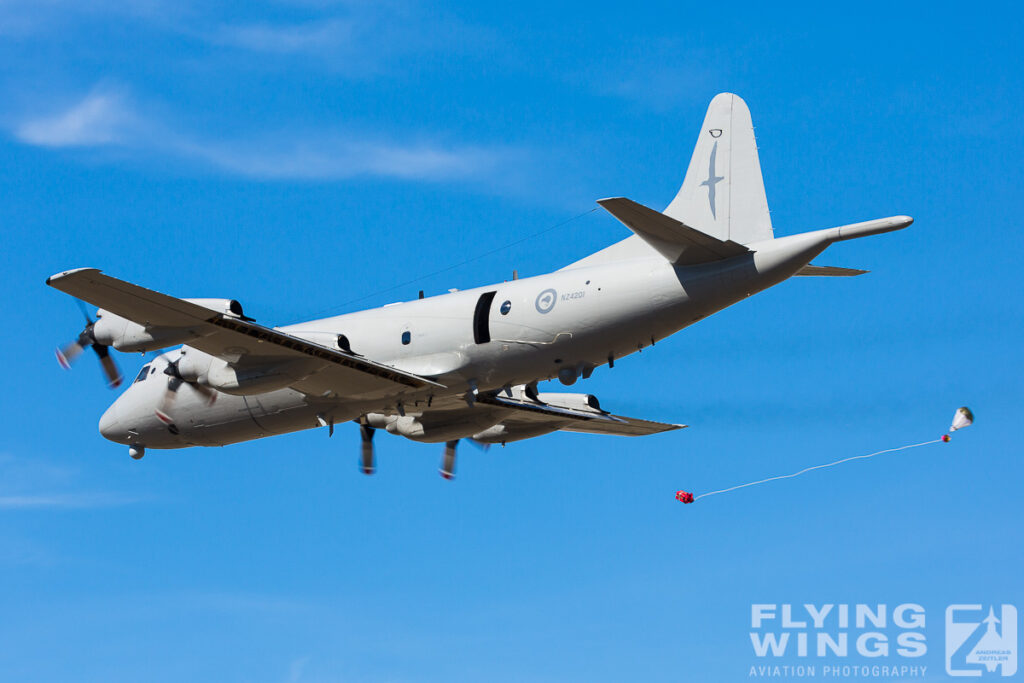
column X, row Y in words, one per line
column 829, row 271
column 238, row 340
column 676, row 241
column 575, row 419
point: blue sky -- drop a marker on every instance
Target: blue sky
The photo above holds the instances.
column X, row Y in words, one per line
column 300, row 156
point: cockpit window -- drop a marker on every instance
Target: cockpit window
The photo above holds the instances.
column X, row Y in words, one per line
column 142, row 373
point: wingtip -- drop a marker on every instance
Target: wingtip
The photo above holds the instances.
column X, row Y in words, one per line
column 66, row 273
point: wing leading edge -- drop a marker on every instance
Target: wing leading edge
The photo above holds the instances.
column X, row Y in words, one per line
column 829, row 271
column 233, row 339
column 570, row 419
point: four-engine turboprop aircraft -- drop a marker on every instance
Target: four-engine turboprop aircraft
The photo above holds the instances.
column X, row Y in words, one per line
column 464, row 364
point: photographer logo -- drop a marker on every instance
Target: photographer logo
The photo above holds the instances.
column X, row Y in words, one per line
column 981, row 640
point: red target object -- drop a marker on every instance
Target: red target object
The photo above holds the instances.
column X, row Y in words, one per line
column 684, row 496
column 945, row 438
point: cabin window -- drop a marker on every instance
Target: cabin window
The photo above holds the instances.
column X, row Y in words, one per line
column 143, row 373
column 506, row 307
column 406, row 337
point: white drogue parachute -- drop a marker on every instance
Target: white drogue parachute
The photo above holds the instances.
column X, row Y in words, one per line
column 962, row 418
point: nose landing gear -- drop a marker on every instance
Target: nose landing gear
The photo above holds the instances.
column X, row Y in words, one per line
column 136, row 452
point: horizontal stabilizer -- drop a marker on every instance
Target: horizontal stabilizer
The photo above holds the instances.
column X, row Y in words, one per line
column 679, row 243
column 829, row 271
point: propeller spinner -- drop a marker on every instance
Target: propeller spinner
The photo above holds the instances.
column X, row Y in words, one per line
column 67, row 354
column 174, row 382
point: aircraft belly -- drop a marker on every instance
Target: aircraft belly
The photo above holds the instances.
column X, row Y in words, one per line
column 226, row 410
column 281, row 411
column 232, row 419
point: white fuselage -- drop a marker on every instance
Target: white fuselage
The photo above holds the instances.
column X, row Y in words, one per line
column 562, row 325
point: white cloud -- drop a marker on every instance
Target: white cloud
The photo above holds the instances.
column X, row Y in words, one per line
column 352, row 38
column 107, row 119
column 296, row 669
column 332, row 157
column 102, row 118
column 24, row 478
column 316, row 37
column 234, row 602
column 65, row 500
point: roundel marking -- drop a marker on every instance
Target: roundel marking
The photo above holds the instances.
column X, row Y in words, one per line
column 546, row 301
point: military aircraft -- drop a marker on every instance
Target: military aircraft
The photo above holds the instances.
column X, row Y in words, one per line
column 464, row 364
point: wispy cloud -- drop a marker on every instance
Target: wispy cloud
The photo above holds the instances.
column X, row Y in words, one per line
column 101, row 118
column 658, row 87
column 239, row 602
column 661, row 76
column 349, row 37
column 37, row 17
column 39, row 484
column 107, row 118
column 65, row 500
column 310, row 37
column 329, row 156
column 296, row 668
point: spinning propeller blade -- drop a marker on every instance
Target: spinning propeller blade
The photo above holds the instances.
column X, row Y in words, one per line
column 67, row 354
column 174, row 382
column 366, row 463
column 163, row 410
column 448, row 462
column 109, row 366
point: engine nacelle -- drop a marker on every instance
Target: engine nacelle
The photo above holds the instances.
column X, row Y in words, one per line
column 331, row 340
column 124, row 335
column 503, row 433
column 193, row 364
column 246, row 379
column 225, row 306
column 586, row 402
column 435, row 428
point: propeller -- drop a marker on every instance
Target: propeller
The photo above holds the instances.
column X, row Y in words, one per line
column 174, row 382
column 448, row 462
column 67, row 354
column 482, row 445
column 367, row 432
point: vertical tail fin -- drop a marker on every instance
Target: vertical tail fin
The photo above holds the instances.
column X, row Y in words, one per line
column 723, row 192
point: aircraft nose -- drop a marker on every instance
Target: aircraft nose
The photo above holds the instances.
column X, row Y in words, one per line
column 111, row 427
